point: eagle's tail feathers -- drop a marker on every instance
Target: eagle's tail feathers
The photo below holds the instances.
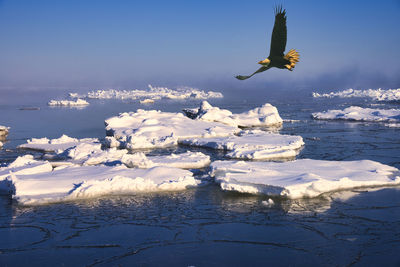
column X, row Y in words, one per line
column 293, row 57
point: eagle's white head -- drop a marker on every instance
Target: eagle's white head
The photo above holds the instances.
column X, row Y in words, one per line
column 264, row 62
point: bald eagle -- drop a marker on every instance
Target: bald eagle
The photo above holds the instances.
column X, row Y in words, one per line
column 276, row 56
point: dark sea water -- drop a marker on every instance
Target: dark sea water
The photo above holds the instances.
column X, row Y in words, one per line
column 206, row 226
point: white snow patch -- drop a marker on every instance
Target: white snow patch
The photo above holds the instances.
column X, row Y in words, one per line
column 301, row 178
column 187, row 160
column 266, row 115
column 35, row 186
column 68, row 103
column 150, row 129
column 360, row 114
column 376, row 94
column 254, row 144
column 57, row 145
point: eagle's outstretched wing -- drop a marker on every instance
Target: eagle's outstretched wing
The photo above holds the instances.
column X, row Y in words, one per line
column 279, row 33
column 241, row 77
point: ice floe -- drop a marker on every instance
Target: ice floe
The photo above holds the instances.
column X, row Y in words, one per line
column 376, row 94
column 45, row 184
column 265, row 115
column 57, row 145
column 254, row 144
column 301, row 178
column 68, row 103
column 4, row 130
column 187, row 160
column 153, row 93
column 146, row 101
column 150, row 129
column 360, row 114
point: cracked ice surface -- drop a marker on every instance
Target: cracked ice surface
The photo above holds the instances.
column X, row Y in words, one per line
column 266, row 115
column 252, row 145
column 301, row 178
column 151, row 129
column 360, row 114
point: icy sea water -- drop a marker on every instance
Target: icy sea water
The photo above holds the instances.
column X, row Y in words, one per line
column 206, row 226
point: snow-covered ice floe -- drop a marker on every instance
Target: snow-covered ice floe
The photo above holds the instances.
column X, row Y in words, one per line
column 68, row 103
column 376, row 94
column 35, row 182
column 57, row 145
column 301, row 178
column 150, row 129
column 187, row 160
column 3, row 130
column 153, row 93
column 3, row 134
column 266, row 115
column 254, row 144
column 146, row 101
column 360, row 114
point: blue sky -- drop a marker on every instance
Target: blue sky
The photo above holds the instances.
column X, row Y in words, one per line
column 130, row 43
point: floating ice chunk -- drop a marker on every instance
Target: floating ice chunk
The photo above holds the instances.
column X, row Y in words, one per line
column 252, row 145
column 147, row 101
column 360, row 114
column 265, row 115
column 393, row 125
column 268, row 203
column 72, row 182
column 301, row 178
column 376, row 94
column 187, row 160
column 152, row 93
column 3, row 130
column 57, row 145
column 149, row 129
column 68, row 103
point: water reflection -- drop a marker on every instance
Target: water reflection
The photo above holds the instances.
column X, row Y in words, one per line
column 121, row 229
